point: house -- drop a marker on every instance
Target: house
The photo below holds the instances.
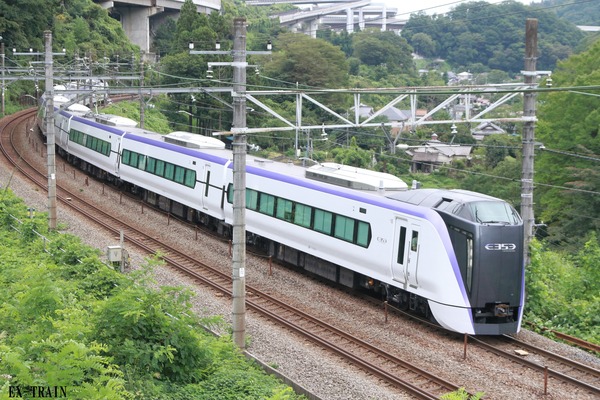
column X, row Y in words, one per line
column 485, row 129
column 465, row 76
column 434, row 153
column 400, row 119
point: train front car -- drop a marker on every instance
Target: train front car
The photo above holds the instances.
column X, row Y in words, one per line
column 487, row 238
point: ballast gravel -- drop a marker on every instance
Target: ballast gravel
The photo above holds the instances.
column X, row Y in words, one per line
column 322, row 375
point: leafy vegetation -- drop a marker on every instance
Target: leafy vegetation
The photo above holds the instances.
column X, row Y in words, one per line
column 478, row 34
column 563, row 290
column 462, row 394
column 579, row 13
column 487, row 39
column 569, row 126
column 69, row 320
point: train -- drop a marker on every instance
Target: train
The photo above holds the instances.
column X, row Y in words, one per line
column 453, row 256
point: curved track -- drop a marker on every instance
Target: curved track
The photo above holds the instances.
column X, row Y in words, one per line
column 378, row 362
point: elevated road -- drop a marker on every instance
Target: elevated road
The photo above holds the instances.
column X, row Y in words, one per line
column 335, row 14
column 141, row 17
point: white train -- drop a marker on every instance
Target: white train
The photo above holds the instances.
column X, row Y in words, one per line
column 454, row 256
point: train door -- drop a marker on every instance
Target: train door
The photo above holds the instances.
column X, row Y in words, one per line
column 399, row 259
column 406, row 254
column 64, row 133
column 117, row 156
column 206, row 187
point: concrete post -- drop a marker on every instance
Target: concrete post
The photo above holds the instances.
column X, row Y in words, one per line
column 239, row 182
column 528, row 136
column 50, row 131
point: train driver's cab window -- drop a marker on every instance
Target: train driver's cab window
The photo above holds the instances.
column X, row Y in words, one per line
column 414, row 241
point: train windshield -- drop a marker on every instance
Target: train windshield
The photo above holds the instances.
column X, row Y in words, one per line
column 491, row 212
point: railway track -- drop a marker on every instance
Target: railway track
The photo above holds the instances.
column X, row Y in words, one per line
column 375, row 361
column 552, row 366
column 391, row 370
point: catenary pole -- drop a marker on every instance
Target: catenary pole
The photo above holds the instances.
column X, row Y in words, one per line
column 3, row 56
column 529, row 103
column 239, row 182
column 50, row 131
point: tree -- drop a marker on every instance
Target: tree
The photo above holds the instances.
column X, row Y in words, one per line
column 353, row 155
column 308, row 62
column 570, row 124
column 424, row 45
column 493, row 34
column 84, row 27
column 164, row 37
column 376, row 48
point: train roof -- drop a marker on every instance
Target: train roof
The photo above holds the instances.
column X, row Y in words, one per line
column 354, row 178
column 432, row 197
column 476, row 207
column 357, row 180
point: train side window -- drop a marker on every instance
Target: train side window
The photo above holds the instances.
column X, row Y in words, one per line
column 363, row 234
column 414, row 241
column 267, row 204
column 141, row 162
column 126, row 157
column 344, row 228
column 284, row 209
column 401, row 246
column 133, row 159
column 323, row 221
column 230, row 194
column 150, row 164
column 251, row 198
column 190, row 178
column 160, row 168
column 106, row 148
column 179, row 175
column 77, row 137
column 169, row 171
column 303, row 215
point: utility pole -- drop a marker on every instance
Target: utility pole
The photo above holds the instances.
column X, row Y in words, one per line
column 3, row 55
column 50, row 131
column 239, row 131
column 239, row 182
column 142, row 103
column 528, row 135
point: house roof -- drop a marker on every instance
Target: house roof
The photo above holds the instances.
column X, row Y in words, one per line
column 392, row 113
column 395, row 114
column 431, row 151
column 487, row 128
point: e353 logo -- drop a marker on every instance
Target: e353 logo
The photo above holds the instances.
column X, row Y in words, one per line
column 501, row 246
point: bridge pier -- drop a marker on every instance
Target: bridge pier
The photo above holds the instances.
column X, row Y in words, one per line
column 140, row 17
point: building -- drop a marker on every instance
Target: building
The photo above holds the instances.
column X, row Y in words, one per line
column 427, row 157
